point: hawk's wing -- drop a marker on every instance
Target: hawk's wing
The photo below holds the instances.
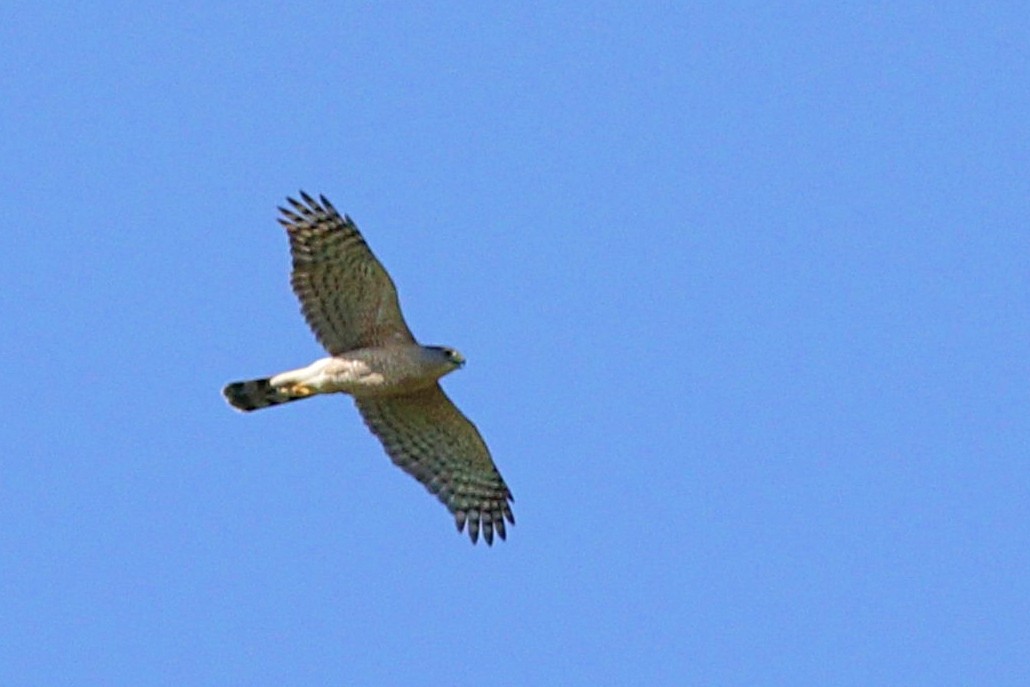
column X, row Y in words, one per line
column 345, row 293
column 425, row 434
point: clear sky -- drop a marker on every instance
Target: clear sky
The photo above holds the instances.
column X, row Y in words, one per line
column 744, row 290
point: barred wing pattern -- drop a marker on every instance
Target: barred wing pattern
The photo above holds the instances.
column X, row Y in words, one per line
column 346, row 295
column 425, row 434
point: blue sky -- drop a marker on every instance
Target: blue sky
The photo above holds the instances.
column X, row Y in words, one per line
column 743, row 288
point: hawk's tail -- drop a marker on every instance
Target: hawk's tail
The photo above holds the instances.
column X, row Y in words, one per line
column 256, row 394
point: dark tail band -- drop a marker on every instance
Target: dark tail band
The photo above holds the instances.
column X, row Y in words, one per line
column 255, row 394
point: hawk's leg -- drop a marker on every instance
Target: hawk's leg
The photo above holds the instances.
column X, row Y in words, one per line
column 299, row 390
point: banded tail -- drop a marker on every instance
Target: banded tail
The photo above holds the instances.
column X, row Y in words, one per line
column 256, row 394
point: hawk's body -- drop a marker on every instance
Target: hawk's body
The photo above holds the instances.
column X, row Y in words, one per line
column 351, row 304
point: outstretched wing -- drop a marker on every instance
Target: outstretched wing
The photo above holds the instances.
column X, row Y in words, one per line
column 345, row 293
column 425, row 434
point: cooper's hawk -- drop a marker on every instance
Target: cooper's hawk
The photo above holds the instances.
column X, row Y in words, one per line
column 351, row 304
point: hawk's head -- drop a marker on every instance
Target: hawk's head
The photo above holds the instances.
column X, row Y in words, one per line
column 448, row 356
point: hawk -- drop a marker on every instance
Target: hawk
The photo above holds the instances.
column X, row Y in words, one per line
column 350, row 302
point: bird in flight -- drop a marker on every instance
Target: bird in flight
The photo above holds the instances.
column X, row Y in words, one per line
column 350, row 302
